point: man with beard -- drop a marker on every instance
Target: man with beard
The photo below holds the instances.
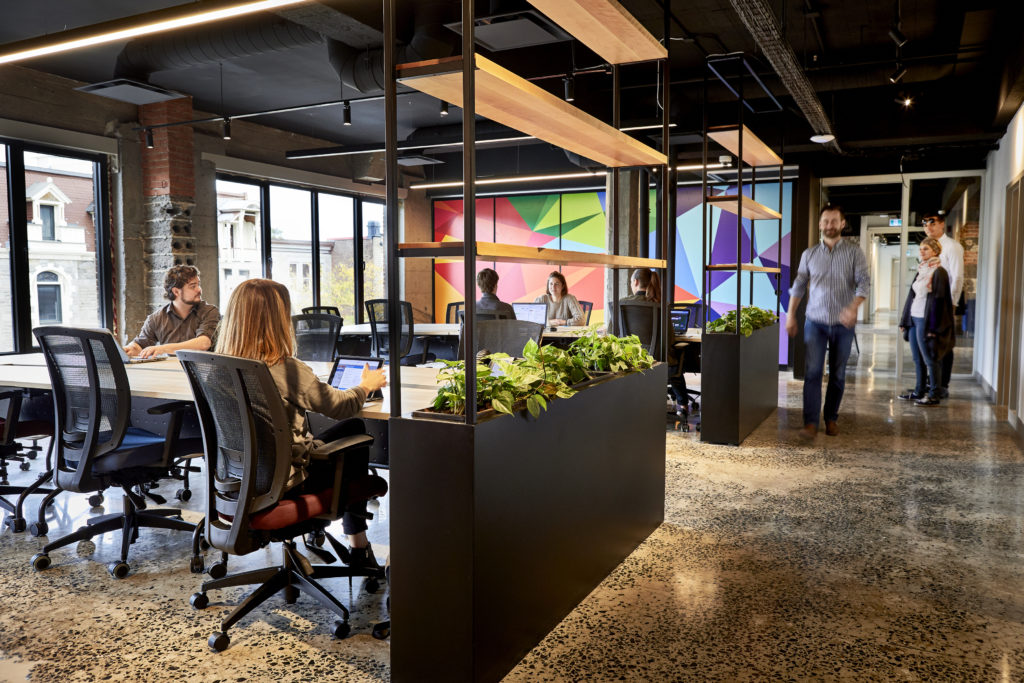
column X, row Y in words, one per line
column 836, row 273
column 187, row 322
column 952, row 258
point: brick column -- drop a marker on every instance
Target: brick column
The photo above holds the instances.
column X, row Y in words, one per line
column 169, row 188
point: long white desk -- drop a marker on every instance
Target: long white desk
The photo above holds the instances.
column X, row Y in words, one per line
column 165, row 380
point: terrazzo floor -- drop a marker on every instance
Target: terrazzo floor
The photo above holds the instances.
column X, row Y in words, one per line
column 894, row 551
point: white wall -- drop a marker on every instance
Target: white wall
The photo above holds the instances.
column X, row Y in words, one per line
column 1004, row 164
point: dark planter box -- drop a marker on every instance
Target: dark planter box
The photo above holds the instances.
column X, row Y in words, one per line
column 503, row 527
column 739, row 383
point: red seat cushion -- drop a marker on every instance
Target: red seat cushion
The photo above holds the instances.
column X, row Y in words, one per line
column 292, row 511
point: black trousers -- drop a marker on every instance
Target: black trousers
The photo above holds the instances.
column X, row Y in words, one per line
column 357, row 464
column 947, row 369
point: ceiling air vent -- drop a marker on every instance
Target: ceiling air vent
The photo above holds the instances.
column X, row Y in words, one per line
column 509, row 31
column 127, row 90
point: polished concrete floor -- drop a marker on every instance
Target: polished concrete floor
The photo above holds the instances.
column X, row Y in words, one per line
column 894, row 551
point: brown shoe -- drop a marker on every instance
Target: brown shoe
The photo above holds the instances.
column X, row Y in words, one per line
column 809, row 431
column 831, row 428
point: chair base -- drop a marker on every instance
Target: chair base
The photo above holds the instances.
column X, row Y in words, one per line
column 129, row 522
column 295, row 574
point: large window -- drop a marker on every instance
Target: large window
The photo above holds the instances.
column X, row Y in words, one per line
column 336, row 216
column 51, row 229
column 291, row 242
column 239, row 234
column 374, row 251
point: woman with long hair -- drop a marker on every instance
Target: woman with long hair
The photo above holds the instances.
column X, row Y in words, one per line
column 563, row 308
column 645, row 285
column 257, row 325
column 927, row 323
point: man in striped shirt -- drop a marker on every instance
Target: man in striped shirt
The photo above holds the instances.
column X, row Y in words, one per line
column 836, row 273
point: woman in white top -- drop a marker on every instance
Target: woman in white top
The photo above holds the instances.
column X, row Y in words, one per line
column 927, row 323
column 563, row 308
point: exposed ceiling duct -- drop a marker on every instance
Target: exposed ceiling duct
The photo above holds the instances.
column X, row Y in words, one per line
column 764, row 27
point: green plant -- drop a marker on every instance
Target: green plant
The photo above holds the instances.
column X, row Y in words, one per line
column 610, row 353
column 751, row 318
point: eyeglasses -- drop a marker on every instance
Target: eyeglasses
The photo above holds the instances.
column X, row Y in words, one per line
column 929, row 221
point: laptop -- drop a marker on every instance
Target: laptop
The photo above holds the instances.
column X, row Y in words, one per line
column 347, row 372
column 535, row 313
column 134, row 360
column 680, row 320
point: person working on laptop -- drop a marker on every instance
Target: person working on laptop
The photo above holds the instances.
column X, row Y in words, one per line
column 187, row 322
column 563, row 308
column 487, row 281
column 645, row 285
column 257, row 324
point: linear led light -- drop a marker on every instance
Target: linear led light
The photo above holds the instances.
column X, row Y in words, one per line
column 553, row 176
column 135, row 26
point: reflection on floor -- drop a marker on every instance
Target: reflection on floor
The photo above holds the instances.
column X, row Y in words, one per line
column 890, row 552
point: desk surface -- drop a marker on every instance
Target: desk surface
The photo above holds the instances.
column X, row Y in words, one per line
column 165, row 380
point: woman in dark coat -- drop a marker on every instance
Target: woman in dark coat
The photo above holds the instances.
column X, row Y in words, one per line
column 927, row 323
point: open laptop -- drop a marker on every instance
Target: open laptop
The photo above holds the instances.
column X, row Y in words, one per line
column 133, row 360
column 535, row 313
column 347, row 372
column 680, row 318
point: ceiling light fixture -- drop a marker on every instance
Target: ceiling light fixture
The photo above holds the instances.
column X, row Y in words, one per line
column 226, row 129
column 898, row 74
column 570, row 88
column 822, row 138
column 134, row 26
column 550, row 176
column 346, row 114
column 149, row 139
column 897, row 35
column 444, row 108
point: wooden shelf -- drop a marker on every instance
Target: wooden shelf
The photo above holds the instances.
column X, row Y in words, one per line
column 606, row 27
column 751, row 209
column 747, row 267
column 517, row 103
column 507, row 253
column 755, row 152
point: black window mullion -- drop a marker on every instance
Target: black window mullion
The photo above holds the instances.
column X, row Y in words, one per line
column 357, row 260
column 268, row 256
column 104, row 243
column 314, row 204
column 21, row 306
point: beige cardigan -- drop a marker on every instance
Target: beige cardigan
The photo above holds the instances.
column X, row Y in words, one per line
column 567, row 308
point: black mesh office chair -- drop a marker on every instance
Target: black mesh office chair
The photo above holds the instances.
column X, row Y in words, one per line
column 451, row 314
column 377, row 311
column 588, row 307
column 316, row 336
column 327, row 310
column 13, row 428
column 96, row 448
column 503, row 336
column 248, row 446
column 641, row 318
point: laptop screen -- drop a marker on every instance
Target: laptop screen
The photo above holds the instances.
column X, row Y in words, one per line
column 348, row 370
column 535, row 313
column 680, row 320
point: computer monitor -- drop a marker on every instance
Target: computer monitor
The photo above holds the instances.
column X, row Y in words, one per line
column 535, row 313
column 680, row 318
column 347, row 371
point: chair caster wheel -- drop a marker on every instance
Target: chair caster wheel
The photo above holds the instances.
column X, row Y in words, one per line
column 204, row 545
column 96, row 499
column 119, row 570
column 218, row 642
column 341, row 629
column 371, row 585
column 200, row 601
column 382, row 630
column 17, row 525
column 318, row 538
column 40, row 561
column 196, row 565
column 38, row 529
column 218, row 570
column 184, row 495
column 24, row 466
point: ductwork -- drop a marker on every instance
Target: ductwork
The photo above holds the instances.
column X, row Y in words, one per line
column 764, row 27
column 216, row 43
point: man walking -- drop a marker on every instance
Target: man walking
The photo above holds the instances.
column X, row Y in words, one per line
column 836, row 273
column 952, row 259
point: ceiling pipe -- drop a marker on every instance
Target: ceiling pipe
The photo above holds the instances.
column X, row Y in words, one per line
column 764, row 27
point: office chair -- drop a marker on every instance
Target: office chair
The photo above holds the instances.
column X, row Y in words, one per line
column 502, row 336
column 327, row 310
column 316, row 336
column 480, row 315
column 248, row 444
column 13, row 428
column 588, row 307
column 691, row 313
column 451, row 314
column 377, row 311
column 96, row 448
column 642, row 318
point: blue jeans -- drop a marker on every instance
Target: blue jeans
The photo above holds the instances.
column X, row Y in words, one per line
column 929, row 375
column 838, row 339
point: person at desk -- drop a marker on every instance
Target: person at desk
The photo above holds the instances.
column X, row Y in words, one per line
column 563, row 308
column 187, row 322
column 487, row 281
column 646, row 286
column 257, row 324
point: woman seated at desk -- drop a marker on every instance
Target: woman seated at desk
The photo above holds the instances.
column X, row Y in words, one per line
column 257, row 325
column 563, row 308
column 646, row 286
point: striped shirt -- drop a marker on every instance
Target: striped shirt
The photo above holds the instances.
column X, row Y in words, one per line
column 835, row 276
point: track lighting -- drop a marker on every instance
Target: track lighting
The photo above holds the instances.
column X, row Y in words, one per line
column 898, row 74
column 149, row 139
column 444, row 108
column 897, row 35
column 226, row 129
column 570, row 88
column 346, row 114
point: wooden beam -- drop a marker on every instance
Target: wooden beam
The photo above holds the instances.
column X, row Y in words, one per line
column 517, row 103
column 606, row 27
column 755, row 152
column 747, row 267
column 751, row 209
column 509, row 253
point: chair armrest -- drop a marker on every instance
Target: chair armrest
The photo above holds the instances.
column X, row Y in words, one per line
column 10, row 393
column 169, row 407
column 329, row 449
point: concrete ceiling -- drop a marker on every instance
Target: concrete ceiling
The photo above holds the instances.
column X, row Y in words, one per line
column 963, row 65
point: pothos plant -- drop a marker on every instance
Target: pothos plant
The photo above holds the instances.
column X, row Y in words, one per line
column 751, row 318
column 609, row 353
